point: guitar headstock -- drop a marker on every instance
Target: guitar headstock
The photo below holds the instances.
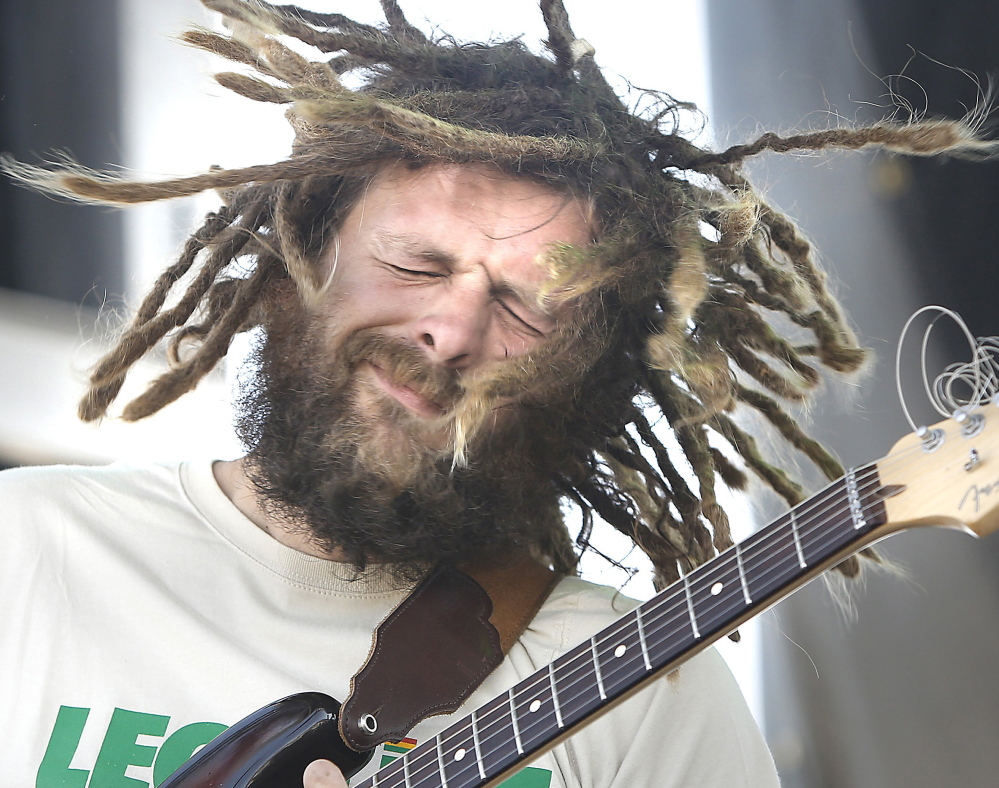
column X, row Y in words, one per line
column 949, row 474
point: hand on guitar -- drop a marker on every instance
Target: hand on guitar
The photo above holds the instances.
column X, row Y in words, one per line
column 323, row 774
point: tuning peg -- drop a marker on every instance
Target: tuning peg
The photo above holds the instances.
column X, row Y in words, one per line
column 932, row 439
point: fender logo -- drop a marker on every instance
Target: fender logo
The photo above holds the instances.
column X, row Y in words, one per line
column 976, row 492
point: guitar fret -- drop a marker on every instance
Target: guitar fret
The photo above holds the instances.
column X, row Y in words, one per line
column 532, row 710
column 374, row 780
column 596, row 666
column 797, row 542
column 771, row 559
column 690, row 608
column 641, row 638
column 853, row 495
column 478, row 745
column 716, row 593
column 456, row 744
column 577, row 682
column 440, row 762
column 516, row 727
column 406, row 778
column 498, row 746
column 555, row 703
column 742, row 575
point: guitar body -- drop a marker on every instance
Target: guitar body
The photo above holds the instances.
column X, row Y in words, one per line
column 271, row 747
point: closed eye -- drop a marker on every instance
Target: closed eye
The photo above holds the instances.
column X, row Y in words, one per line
column 413, row 272
column 522, row 323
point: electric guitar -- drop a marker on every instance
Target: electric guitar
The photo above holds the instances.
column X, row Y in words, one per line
column 947, row 476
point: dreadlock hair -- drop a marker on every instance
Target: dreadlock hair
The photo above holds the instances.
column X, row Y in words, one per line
column 710, row 296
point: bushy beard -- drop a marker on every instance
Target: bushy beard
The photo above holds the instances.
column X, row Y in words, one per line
column 339, row 461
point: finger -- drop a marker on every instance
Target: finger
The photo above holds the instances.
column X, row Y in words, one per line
column 323, row 774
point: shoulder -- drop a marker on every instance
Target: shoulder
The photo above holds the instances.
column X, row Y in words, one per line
column 42, row 507
column 575, row 610
column 46, row 475
column 66, row 484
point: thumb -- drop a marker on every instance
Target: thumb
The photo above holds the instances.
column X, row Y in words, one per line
column 323, row 774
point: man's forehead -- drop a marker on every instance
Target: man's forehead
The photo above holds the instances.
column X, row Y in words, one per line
column 479, row 187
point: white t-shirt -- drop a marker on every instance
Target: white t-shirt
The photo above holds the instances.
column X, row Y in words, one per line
column 141, row 613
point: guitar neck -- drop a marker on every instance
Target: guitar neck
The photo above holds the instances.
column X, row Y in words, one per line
column 656, row 637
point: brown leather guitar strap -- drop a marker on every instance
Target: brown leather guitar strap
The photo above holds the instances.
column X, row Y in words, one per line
column 439, row 644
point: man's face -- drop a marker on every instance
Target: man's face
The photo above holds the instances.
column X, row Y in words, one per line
column 447, row 261
column 434, row 284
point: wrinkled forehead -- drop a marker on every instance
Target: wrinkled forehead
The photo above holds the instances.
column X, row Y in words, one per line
column 499, row 203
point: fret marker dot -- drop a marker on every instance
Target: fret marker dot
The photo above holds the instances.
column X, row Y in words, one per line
column 716, row 589
column 459, row 753
column 619, row 651
column 535, row 705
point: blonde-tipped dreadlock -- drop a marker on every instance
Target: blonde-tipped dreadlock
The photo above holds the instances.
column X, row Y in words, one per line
column 691, row 271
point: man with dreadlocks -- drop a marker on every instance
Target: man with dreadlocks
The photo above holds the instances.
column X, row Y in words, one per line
column 481, row 280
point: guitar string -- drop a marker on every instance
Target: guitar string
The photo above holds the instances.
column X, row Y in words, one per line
column 433, row 768
column 806, row 524
column 811, row 545
column 833, row 491
column 674, row 605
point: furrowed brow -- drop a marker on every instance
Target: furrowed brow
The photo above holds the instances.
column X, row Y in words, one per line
column 526, row 296
column 414, row 246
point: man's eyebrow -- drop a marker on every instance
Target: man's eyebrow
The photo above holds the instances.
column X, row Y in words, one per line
column 525, row 296
column 415, row 246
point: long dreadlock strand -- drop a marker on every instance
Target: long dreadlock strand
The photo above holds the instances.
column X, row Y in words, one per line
column 783, row 233
column 694, row 442
column 151, row 324
column 923, row 138
column 228, row 48
column 398, row 24
column 831, row 467
column 560, row 35
column 745, row 445
column 680, row 492
column 688, row 505
column 183, row 378
column 629, row 479
column 91, row 187
column 785, row 290
column 733, row 477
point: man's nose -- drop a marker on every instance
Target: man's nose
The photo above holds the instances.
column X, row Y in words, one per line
column 453, row 330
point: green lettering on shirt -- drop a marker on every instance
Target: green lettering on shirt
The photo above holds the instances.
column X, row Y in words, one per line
column 54, row 771
column 530, row 777
column 121, row 750
column 181, row 746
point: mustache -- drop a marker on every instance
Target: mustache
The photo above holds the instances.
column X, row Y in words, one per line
column 404, row 365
